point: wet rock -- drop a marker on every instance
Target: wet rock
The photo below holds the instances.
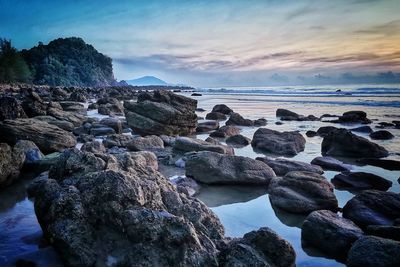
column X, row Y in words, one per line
column 260, row 122
column 212, row 141
column 362, row 129
column 73, row 107
column 93, row 147
column 186, row 144
column 10, row 109
column 370, row 251
column 101, row 131
column 200, row 109
column 119, row 140
column 353, row 117
column 311, row 133
column 93, row 106
column 381, row 135
column 114, row 123
column 214, row 168
column 383, row 125
column 388, row 164
column 110, row 106
column 222, row 108
column 263, row 247
column 385, row 231
column 47, row 137
column 225, row 131
column 344, row 143
column 329, row 233
column 44, row 164
column 280, row 143
column 196, row 94
column 238, row 140
column 72, row 117
column 216, row 116
column 168, row 140
column 149, row 143
column 11, row 162
column 282, row 166
column 280, row 112
column 30, row 150
column 326, row 130
column 361, row 181
column 162, row 112
column 65, row 125
column 279, row 123
column 33, row 105
column 207, row 126
column 237, row 119
column 331, row 164
column 186, row 185
column 287, row 115
column 302, row 192
column 372, row 207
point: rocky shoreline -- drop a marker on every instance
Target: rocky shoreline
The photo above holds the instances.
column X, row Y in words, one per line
column 110, row 202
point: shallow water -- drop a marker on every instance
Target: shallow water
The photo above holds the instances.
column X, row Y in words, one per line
column 240, row 209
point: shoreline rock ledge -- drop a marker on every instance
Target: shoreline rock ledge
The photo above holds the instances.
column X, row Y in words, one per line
column 162, row 112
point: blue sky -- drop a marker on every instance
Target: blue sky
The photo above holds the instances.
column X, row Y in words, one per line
column 220, row 43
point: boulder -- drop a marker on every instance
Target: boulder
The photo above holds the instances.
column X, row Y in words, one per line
column 186, row 185
column 225, row 131
column 287, row 115
column 216, row 116
column 222, row 108
column 149, row 143
column 10, row 109
column 371, row 251
column 280, row 143
column 207, row 126
column 30, row 151
column 214, row 168
column 11, row 161
column 33, row 105
column 325, row 130
column 238, row 140
column 47, row 137
column 73, row 107
column 78, row 96
column 362, row 129
column 262, row 247
column 361, row 181
column 186, row 144
column 311, row 133
column 353, row 117
column 381, row 135
column 344, row 143
column 388, row 164
column 260, row 122
column 237, row 119
column 101, row 131
column 72, row 117
column 162, row 112
column 302, row 192
column 93, row 147
column 372, row 207
column 110, row 106
column 385, row 231
column 331, row 164
column 65, row 125
column 329, row 233
column 282, row 166
column 114, row 123
column 119, row 140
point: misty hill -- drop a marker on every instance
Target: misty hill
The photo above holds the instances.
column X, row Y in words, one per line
column 69, row 62
column 146, row 80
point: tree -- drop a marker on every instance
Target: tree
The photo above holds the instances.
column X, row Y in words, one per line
column 13, row 67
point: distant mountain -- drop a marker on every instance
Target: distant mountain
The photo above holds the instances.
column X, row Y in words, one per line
column 146, row 80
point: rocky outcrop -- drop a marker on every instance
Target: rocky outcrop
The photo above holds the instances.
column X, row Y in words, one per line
column 381, row 135
column 302, row 192
column 361, row 181
column 186, row 144
column 282, row 166
column 331, row 164
column 238, row 140
column 214, row 168
column 10, row 109
column 162, row 112
column 329, row 233
column 372, row 207
column 344, row 143
column 225, row 131
column 222, row 108
column 237, row 119
column 280, row 143
column 47, row 137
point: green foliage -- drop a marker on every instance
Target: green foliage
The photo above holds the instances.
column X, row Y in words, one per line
column 69, row 62
column 13, row 67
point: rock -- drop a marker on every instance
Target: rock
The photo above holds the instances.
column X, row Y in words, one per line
column 362, row 129
column 65, row 125
column 11, row 161
column 214, row 168
column 58, row 94
column 302, row 192
column 200, row 109
column 388, row 164
column 237, row 119
column 216, row 116
column 279, row 123
column 280, row 112
column 33, row 105
column 326, row 130
column 72, row 117
column 162, row 112
column 93, row 106
column 168, row 140
column 281, row 143
column 186, row 144
column 331, row 164
column 383, row 125
column 260, row 122
column 10, row 109
column 311, row 133
column 381, row 135
column 212, row 141
column 110, row 106
column 222, row 108
column 225, row 131
column 207, row 126
column 238, row 140
column 44, row 164
column 287, row 115
column 101, row 131
column 385, row 231
column 149, row 143
column 372, row 207
column 30, row 150
column 263, row 247
column 196, row 94
column 353, row 117
column 47, row 137
column 344, row 143
column 73, row 107
column 282, row 166
column 370, row 251
column 329, row 233
column 186, row 185
column 93, row 147
column 361, row 181
column 119, row 140
column 84, row 129
column 78, row 96
column 114, row 123
column 131, row 216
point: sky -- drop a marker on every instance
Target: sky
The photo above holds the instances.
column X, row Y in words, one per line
column 223, row 43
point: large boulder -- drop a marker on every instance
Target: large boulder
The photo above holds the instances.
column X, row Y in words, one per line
column 225, row 131
column 186, row 144
column 280, row 143
column 361, row 181
column 11, row 161
column 258, row 248
column 214, row 168
column 372, row 207
column 344, row 143
column 222, row 108
column 72, row 117
column 119, row 140
column 371, row 251
column 282, row 166
column 114, row 123
column 130, row 216
column 381, row 135
column 287, row 115
column 302, row 192
column 237, row 119
column 110, row 106
column 332, row 164
column 388, row 164
column 238, row 140
column 353, row 117
column 65, row 125
column 162, row 112
column 47, row 137
column 149, row 143
column 216, row 116
column 10, row 109
column 33, row 105
column 329, row 233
